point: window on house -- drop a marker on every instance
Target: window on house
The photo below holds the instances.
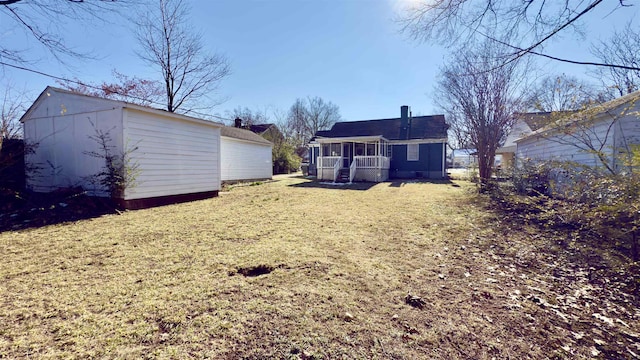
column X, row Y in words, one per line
column 413, row 153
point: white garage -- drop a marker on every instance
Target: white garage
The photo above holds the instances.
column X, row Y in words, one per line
column 177, row 157
column 245, row 156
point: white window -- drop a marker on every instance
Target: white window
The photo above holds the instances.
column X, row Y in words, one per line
column 413, row 153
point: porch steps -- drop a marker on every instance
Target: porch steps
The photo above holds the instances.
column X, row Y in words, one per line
column 343, row 176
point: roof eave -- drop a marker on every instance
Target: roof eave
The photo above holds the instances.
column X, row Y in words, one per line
column 324, row 140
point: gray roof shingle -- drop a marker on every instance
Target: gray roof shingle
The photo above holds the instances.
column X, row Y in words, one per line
column 242, row 134
column 421, row 127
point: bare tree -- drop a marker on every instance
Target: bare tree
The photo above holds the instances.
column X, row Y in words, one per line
column 130, row 89
column 563, row 93
column 307, row 116
column 621, row 48
column 248, row 116
column 534, row 22
column 168, row 43
column 480, row 100
column 12, row 107
column 43, row 22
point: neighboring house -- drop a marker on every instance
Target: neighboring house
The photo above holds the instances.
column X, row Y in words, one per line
column 525, row 125
column 464, row 158
column 376, row 150
column 178, row 157
column 244, row 156
column 268, row 131
column 593, row 137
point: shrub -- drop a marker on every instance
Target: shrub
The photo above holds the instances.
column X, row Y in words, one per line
column 604, row 203
column 531, row 177
column 119, row 171
column 285, row 159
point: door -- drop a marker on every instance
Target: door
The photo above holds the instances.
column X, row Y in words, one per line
column 347, row 155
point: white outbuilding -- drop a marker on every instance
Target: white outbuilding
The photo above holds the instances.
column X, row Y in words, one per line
column 177, row 157
column 245, row 156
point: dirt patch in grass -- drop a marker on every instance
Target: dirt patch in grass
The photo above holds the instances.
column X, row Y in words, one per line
column 262, row 269
column 419, row 270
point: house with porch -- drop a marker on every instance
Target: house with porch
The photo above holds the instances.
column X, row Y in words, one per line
column 377, row 150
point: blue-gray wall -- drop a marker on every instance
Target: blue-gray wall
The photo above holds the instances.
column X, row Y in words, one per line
column 429, row 164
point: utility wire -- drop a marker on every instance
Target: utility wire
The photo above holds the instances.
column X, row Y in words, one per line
column 100, row 89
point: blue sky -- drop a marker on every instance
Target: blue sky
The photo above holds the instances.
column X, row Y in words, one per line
column 349, row 52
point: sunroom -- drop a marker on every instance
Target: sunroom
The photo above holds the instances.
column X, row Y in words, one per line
column 348, row 159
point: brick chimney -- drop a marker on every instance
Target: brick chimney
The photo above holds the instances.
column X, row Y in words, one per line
column 238, row 122
column 404, row 122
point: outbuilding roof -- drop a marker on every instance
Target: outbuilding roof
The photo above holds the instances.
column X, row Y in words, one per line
column 237, row 133
column 117, row 103
column 419, row 127
column 608, row 110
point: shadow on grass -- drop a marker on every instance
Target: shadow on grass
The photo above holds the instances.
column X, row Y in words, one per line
column 368, row 185
column 403, row 182
column 24, row 210
column 339, row 186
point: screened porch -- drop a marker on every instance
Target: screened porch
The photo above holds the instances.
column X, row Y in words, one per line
column 354, row 159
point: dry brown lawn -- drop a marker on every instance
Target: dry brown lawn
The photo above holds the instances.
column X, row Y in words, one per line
column 290, row 269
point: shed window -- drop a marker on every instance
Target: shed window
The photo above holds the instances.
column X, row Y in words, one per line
column 413, row 153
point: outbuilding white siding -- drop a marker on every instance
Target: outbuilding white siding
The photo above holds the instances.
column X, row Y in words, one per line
column 243, row 159
column 175, row 154
column 61, row 144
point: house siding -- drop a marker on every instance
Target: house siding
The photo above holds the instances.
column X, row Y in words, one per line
column 244, row 160
column 174, row 157
column 559, row 147
column 628, row 131
column 429, row 164
column 614, row 127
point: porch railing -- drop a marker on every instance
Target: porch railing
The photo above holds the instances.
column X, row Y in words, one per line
column 352, row 171
column 372, row 162
column 328, row 162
